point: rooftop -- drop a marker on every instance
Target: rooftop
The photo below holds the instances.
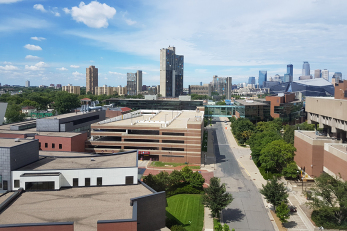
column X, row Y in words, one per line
column 7, row 143
column 58, row 134
column 85, row 206
column 249, row 102
column 159, row 119
column 314, row 135
column 77, row 160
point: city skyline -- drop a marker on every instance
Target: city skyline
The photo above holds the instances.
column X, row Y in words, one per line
column 53, row 42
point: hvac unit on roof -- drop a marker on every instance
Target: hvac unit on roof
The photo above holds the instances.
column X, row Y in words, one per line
column 17, row 140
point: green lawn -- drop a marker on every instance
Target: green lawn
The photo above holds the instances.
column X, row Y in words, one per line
column 162, row 164
column 187, row 209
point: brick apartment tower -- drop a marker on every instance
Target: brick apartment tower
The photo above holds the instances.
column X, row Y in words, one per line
column 92, row 79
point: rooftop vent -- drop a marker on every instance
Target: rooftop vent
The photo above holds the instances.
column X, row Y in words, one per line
column 92, row 159
column 17, row 140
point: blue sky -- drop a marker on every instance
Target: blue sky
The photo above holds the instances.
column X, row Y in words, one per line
column 54, row 41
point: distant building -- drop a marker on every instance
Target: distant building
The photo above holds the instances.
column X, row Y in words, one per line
column 317, row 73
column 229, row 87
column 205, row 89
column 251, row 80
column 27, row 83
column 200, row 83
column 105, row 90
column 58, row 86
column 262, row 78
column 305, row 69
column 91, row 79
column 72, row 89
column 287, row 78
column 222, row 85
column 52, row 85
column 171, row 72
column 120, row 90
column 289, row 72
column 337, row 76
column 304, row 77
column 134, row 83
column 325, row 74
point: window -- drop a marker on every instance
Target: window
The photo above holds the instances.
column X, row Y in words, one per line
column 39, row 186
column 46, row 145
column 99, row 181
column 87, row 182
column 53, row 145
column 129, row 180
column 5, row 187
column 40, row 145
column 75, row 182
column 60, row 146
column 16, row 183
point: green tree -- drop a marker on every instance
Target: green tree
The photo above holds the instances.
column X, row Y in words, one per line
column 288, row 135
column 65, row 101
column 216, row 197
column 290, row 171
column 282, row 212
column 274, row 192
column 221, row 103
column 260, row 140
column 218, row 227
column 329, row 201
column 14, row 113
column 239, row 126
column 275, row 125
column 226, row 227
column 276, row 155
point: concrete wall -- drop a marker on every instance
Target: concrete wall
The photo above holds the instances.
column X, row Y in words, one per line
column 110, row 176
column 335, row 160
column 328, row 107
column 63, row 226
column 151, row 213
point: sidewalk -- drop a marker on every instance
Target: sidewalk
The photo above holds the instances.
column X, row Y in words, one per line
column 297, row 221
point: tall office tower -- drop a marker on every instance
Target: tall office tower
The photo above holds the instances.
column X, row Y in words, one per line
column 286, row 78
column 138, row 80
column 290, row 72
column 171, row 72
column 251, row 80
column 200, row 83
column 337, row 76
column 220, row 84
column 262, row 78
column 229, row 87
column 325, row 74
column 92, row 79
column 27, row 83
column 305, row 69
column 131, row 84
column 317, row 74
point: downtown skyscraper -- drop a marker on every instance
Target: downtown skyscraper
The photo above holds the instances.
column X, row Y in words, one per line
column 91, row 79
column 262, row 78
column 171, row 72
column 290, row 73
column 305, row 69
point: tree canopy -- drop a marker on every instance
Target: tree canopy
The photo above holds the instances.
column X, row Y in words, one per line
column 276, row 155
column 216, row 197
column 241, row 125
column 329, row 202
column 14, row 113
column 65, row 101
column 274, row 192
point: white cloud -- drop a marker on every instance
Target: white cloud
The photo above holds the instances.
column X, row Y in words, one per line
column 8, row 68
column 62, row 69
column 130, row 22
column 9, row 1
column 39, row 7
column 22, row 24
column 74, row 66
column 33, row 47
column 32, row 57
column 37, row 67
column 7, row 62
column 56, row 14
column 94, row 14
column 76, row 73
column 38, row 38
column 115, row 73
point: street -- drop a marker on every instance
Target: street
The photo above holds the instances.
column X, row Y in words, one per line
column 247, row 211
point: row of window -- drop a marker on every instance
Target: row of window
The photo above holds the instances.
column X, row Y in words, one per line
column 48, row 186
column 53, row 145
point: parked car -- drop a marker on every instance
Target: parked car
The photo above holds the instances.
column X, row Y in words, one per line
column 292, row 208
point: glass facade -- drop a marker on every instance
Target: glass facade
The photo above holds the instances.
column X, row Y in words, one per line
column 251, row 80
column 290, row 73
column 221, row 110
column 131, row 84
column 305, row 69
column 262, row 78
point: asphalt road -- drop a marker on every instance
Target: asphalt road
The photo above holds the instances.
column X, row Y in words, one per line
column 247, row 211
